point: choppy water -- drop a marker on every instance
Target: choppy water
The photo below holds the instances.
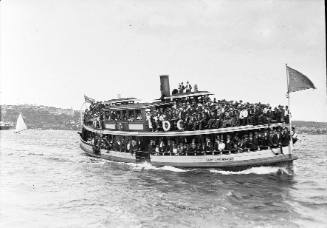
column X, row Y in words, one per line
column 47, row 181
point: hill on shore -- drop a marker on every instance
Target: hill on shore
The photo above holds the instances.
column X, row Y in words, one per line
column 42, row 117
column 310, row 127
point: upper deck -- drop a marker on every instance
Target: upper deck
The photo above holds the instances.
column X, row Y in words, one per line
column 184, row 110
column 126, row 114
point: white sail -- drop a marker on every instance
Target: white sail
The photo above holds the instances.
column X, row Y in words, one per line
column 20, row 124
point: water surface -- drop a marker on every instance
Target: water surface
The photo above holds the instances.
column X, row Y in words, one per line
column 47, row 181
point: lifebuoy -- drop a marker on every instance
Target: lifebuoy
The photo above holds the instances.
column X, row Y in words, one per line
column 276, row 151
column 166, row 125
column 180, row 125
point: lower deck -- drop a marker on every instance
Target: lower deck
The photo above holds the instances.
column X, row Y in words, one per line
column 232, row 161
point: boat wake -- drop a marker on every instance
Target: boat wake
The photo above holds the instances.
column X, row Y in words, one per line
column 264, row 170
column 174, row 169
column 255, row 170
column 148, row 166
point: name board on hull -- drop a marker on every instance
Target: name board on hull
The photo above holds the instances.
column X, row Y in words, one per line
column 219, row 159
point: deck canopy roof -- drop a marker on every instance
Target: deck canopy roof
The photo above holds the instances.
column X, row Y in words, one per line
column 160, row 103
column 121, row 100
column 190, row 94
column 133, row 106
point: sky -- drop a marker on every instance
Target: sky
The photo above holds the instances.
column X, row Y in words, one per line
column 53, row 52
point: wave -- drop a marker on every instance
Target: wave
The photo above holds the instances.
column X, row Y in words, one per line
column 264, row 170
column 174, row 169
column 57, row 159
column 35, row 154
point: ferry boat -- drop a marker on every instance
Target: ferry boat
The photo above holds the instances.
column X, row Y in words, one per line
column 135, row 140
column 5, row 125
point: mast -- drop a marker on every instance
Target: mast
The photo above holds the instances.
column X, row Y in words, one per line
column 289, row 110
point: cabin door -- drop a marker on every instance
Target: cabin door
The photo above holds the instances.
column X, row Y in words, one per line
column 142, row 156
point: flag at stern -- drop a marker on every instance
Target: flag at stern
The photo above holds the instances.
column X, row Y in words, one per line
column 298, row 81
column 89, row 99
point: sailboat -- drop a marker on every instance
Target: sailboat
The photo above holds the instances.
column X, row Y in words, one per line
column 20, row 124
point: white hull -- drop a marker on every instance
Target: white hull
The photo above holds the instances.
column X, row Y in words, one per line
column 225, row 161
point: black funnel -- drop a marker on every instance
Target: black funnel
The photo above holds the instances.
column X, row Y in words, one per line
column 164, row 86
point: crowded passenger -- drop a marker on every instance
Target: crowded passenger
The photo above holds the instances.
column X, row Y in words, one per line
column 227, row 143
column 206, row 114
column 234, row 143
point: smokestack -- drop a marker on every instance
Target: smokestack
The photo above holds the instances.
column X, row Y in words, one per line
column 164, row 86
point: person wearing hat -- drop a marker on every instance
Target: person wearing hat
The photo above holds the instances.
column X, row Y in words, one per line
column 192, row 148
column 181, row 88
column 188, row 87
column 216, row 143
column 294, row 135
column 285, row 137
column 162, row 146
column 228, row 144
column 151, row 147
column 221, row 145
column 273, row 139
column 208, row 145
column 265, row 139
column 246, row 142
column 212, row 119
column 254, row 141
column 169, row 147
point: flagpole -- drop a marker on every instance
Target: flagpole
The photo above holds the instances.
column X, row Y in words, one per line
column 81, row 114
column 289, row 111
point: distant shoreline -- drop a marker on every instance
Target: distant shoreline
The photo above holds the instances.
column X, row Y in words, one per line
column 42, row 117
column 310, row 127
